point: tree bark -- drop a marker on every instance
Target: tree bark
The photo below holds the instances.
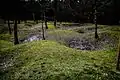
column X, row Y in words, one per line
column 55, row 21
column 55, row 11
column 10, row 32
column 46, row 26
column 118, row 59
column 95, row 21
column 15, row 33
column 43, row 33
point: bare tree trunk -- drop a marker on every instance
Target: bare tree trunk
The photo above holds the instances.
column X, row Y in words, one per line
column 118, row 59
column 43, row 33
column 15, row 33
column 55, row 21
column 46, row 26
column 10, row 32
column 55, row 10
column 95, row 21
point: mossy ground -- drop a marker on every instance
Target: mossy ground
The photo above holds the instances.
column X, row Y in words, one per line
column 50, row 25
column 50, row 60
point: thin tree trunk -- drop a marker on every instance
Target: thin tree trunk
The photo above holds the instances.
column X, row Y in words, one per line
column 46, row 26
column 15, row 33
column 55, row 11
column 118, row 59
column 10, row 32
column 55, row 21
column 95, row 21
column 43, row 33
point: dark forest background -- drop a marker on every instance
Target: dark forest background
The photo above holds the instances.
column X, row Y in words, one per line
column 65, row 10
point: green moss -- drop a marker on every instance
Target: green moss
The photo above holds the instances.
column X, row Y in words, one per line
column 6, row 37
column 5, row 44
column 63, row 32
column 3, row 29
column 51, row 61
column 79, row 30
column 50, row 25
column 112, row 34
column 5, row 41
column 62, row 36
column 113, row 28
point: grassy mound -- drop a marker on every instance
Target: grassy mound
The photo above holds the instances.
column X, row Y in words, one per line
column 5, row 37
column 49, row 60
column 5, row 44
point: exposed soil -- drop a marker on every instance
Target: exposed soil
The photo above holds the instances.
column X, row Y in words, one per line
column 92, row 44
column 32, row 37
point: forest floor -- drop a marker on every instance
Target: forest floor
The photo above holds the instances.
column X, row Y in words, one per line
column 69, row 52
